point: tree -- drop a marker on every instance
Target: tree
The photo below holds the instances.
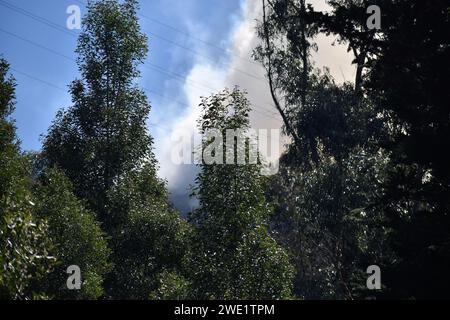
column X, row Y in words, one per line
column 234, row 257
column 327, row 218
column 330, row 173
column 151, row 239
column 399, row 88
column 102, row 145
column 25, row 248
column 348, row 21
column 77, row 236
column 407, row 64
column 103, row 135
column 408, row 82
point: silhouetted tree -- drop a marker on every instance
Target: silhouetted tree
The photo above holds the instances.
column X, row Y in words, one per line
column 329, row 173
column 408, row 82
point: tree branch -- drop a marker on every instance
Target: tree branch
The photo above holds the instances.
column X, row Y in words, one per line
column 288, row 126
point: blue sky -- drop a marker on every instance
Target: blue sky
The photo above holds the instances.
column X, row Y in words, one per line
column 172, row 54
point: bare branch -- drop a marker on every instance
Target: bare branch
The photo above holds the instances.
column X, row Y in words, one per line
column 286, row 122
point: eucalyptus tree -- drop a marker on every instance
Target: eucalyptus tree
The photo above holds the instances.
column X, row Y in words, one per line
column 102, row 144
column 233, row 255
column 103, row 135
column 325, row 197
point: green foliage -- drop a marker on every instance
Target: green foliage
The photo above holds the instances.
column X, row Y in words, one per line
column 151, row 239
column 77, row 236
column 368, row 166
column 25, row 256
column 233, row 255
column 263, row 268
column 171, row 286
column 103, row 134
column 327, row 217
column 334, row 165
column 101, row 143
column 24, row 251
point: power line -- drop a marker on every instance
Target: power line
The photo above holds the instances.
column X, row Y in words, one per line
column 73, row 60
column 174, row 43
column 154, row 67
column 64, row 90
column 189, row 35
column 37, row 44
column 38, row 79
column 36, row 17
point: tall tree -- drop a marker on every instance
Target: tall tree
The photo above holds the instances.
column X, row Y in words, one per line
column 234, row 257
column 329, row 173
column 101, row 143
column 103, row 135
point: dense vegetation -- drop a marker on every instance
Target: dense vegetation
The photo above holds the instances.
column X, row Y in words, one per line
column 364, row 181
